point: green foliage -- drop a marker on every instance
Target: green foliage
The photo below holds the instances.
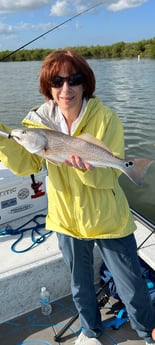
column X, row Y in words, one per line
column 151, row 49
column 144, row 48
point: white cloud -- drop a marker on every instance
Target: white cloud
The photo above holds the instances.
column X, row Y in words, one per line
column 62, row 7
column 9, row 30
column 124, row 4
column 77, row 26
column 68, row 7
column 5, row 29
column 65, row 7
column 8, row 6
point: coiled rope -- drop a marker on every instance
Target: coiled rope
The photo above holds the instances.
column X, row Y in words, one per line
column 37, row 237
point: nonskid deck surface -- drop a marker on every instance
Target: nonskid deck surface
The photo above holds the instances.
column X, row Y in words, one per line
column 35, row 329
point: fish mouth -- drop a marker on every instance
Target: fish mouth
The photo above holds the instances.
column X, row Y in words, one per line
column 13, row 137
column 10, row 136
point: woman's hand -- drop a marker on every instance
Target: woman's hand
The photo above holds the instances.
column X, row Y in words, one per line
column 77, row 162
column 153, row 334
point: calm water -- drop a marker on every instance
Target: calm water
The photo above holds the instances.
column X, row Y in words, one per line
column 127, row 86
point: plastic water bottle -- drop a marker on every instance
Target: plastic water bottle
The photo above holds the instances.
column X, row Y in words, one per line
column 46, row 307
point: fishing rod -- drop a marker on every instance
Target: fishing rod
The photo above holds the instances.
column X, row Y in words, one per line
column 52, row 29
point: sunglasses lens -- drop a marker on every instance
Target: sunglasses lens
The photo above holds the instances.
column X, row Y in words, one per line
column 57, row 82
column 75, row 79
column 72, row 80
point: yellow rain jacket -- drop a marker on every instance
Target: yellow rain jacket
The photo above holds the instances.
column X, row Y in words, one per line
column 83, row 204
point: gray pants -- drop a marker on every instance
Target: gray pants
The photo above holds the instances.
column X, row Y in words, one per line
column 120, row 257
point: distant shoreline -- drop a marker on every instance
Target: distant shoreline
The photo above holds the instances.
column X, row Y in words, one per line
column 121, row 50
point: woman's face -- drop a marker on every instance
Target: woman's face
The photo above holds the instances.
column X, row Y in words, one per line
column 68, row 97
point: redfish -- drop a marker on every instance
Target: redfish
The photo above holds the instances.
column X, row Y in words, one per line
column 57, row 147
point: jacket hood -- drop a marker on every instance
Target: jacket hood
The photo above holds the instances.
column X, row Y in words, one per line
column 44, row 115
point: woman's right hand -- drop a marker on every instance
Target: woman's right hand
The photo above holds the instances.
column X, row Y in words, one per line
column 77, row 162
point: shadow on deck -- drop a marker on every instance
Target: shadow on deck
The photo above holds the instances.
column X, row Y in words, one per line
column 35, row 329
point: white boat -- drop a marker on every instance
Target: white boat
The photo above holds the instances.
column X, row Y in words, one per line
column 26, row 266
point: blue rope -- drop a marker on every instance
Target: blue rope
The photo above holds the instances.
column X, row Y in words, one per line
column 35, row 231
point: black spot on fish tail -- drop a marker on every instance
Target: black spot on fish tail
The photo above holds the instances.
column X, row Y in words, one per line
column 137, row 168
column 129, row 164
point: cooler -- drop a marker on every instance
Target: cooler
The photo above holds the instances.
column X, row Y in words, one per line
column 21, row 195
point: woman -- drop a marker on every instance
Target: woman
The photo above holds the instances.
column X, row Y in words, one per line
column 86, row 205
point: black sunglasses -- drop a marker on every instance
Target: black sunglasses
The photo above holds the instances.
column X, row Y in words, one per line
column 72, row 80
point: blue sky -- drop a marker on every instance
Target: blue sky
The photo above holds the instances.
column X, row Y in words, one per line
column 113, row 21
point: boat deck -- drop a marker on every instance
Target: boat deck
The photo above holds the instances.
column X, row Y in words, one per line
column 35, row 329
column 23, row 274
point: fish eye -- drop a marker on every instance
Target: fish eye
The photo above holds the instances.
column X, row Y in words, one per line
column 24, row 131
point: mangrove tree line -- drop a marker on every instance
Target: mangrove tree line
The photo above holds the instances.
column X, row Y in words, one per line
column 143, row 48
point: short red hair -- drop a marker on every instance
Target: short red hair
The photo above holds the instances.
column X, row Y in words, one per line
column 74, row 63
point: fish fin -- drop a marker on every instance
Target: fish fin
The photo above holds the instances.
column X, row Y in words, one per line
column 90, row 139
column 136, row 169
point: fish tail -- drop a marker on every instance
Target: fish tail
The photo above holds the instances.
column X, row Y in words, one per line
column 136, row 169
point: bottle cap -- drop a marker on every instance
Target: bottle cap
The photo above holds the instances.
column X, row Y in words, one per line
column 43, row 289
